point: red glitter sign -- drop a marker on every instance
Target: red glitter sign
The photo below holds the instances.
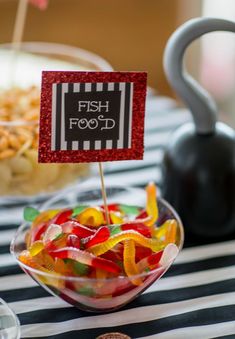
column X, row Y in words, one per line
column 92, row 116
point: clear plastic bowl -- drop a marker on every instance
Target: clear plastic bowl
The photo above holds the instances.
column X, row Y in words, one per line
column 99, row 295
column 21, row 175
column 9, row 323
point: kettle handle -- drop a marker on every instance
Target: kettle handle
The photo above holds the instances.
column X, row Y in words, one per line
column 200, row 103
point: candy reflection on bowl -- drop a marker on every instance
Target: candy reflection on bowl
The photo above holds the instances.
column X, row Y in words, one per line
column 73, row 252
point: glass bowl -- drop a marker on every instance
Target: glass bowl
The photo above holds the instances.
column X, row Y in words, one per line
column 99, row 295
column 9, row 323
column 21, row 176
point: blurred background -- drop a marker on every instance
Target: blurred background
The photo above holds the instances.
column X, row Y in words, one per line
column 132, row 34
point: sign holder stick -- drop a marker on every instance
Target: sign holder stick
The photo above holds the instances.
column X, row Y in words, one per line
column 17, row 35
column 19, row 24
column 103, row 190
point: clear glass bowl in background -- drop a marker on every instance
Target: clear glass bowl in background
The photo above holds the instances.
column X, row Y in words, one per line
column 22, row 178
column 99, row 295
column 9, row 323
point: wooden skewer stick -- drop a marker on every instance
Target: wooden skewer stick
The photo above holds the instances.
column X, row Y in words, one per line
column 104, row 196
column 19, row 24
column 17, row 37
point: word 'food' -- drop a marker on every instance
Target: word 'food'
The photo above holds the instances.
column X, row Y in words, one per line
column 93, row 123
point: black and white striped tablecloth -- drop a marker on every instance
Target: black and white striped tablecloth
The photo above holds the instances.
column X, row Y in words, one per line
column 195, row 299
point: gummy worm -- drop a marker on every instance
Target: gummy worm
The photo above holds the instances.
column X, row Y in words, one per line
column 154, row 244
column 130, row 266
column 86, row 258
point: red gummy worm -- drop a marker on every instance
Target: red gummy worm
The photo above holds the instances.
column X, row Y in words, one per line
column 74, row 227
column 143, row 214
column 106, row 265
column 142, row 252
column 62, row 254
column 154, row 259
column 101, row 235
column 62, row 217
column 110, row 255
column 86, row 258
column 73, row 241
column 37, row 232
column 139, row 227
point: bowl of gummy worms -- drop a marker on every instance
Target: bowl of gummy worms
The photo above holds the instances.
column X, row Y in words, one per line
column 94, row 260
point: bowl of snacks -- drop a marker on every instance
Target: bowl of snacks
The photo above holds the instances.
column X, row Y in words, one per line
column 96, row 258
column 21, row 175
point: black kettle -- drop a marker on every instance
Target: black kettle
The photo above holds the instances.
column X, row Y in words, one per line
column 199, row 162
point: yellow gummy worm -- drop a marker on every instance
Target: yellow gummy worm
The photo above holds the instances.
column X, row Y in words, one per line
column 36, row 248
column 162, row 230
column 41, row 257
column 44, row 216
column 91, row 216
column 171, row 232
column 116, row 218
column 154, row 244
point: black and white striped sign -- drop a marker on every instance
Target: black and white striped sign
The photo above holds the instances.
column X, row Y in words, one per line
column 92, row 116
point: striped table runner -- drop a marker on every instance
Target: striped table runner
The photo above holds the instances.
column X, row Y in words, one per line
column 195, row 298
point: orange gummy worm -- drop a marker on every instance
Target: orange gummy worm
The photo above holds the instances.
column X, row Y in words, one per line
column 151, row 205
column 130, row 266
